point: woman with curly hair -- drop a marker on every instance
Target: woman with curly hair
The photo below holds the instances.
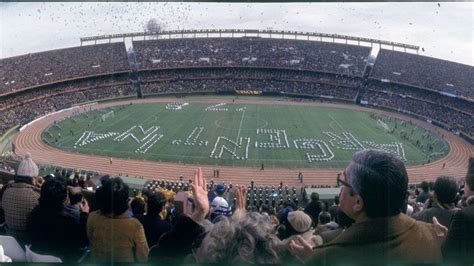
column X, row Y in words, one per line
column 243, row 237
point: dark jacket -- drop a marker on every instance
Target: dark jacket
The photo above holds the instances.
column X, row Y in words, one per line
column 396, row 239
column 459, row 244
column 444, row 216
column 154, row 228
column 56, row 233
column 176, row 244
column 423, row 196
column 313, row 209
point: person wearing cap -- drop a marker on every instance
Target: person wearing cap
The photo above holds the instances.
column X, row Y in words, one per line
column 219, row 190
column 20, row 199
column 300, row 224
column 373, row 193
column 219, row 206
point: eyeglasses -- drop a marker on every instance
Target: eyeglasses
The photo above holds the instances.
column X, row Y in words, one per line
column 341, row 182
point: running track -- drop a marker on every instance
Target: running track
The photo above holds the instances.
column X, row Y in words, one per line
column 29, row 140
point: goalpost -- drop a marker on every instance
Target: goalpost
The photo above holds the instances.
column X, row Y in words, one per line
column 107, row 115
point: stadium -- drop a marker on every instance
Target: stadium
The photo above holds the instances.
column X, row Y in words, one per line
column 231, row 66
column 268, row 108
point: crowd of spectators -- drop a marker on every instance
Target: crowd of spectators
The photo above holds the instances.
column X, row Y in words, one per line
column 40, row 104
column 29, row 70
column 249, row 73
column 335, row 58
column 232, row 85
column 424, row 72
column 375, row 219
column 229, row 64
column 453, row 119
column 425, row 95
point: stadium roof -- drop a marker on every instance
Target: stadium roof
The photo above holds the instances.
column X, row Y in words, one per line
column 235, row 33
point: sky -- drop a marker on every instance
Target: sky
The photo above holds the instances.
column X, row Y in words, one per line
column 444, row 30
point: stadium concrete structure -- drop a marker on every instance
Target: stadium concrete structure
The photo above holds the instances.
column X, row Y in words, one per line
column 338, row 71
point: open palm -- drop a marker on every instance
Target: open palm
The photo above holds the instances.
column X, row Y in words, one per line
column 201, row 200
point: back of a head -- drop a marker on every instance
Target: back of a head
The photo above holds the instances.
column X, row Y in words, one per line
column 324, row 218
column 53, row 194
column 333, row 211
column 219, row 207
column 381, row 180
column 156, row 201
column 314, row 196
column 75, row 195
column 267, row 209
column 113, row 197
column 220, row 189
column 446, row 189
column 27, row 169
column 425, row 186
column 104, row 179
column 246, row 238
column 138, row 206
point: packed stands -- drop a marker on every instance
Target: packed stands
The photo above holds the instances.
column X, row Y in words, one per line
column 229, row 52
column 463, row 105
column 31, row 70
column 429, row 111
column 422, row 86
column 23, row 108
column 425, row 72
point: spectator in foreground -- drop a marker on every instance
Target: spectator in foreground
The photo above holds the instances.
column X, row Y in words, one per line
column 373, row 194
column 425, row 193
column 113, row 235
column 343, row 221
column 54, row 232
column 20, row 198
column 444, row 197
column 314, row 207
column 300, row 224
column 138, row 207
column 176, row 246
column 459, row 244
column 152, row 223
column 242, row 238
column 76, row 197
column 219, row 207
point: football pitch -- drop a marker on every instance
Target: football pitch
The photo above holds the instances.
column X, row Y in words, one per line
column 248, row 135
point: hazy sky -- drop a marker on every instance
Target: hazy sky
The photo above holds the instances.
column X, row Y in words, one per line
column 444, row 30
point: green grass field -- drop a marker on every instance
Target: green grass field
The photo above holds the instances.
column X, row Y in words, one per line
column 241, row 135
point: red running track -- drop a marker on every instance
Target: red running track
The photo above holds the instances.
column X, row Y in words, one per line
column 29, row 140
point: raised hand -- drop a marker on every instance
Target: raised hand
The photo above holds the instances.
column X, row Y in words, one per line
column 241, row 195
column 201, row 200
column 441, row 230
column 84, row 206
column 301, row 249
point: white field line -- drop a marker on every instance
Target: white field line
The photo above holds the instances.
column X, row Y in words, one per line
column 240, row 127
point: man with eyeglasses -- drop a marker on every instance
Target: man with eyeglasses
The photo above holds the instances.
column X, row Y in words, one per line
column 373, row 193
